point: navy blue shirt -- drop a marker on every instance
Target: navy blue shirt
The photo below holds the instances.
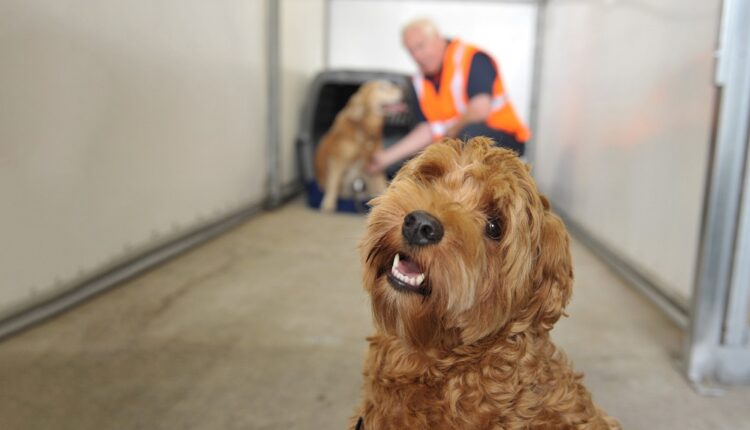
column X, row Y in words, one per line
column 482, row 75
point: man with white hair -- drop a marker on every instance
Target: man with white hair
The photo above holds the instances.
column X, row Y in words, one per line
column 460, row 94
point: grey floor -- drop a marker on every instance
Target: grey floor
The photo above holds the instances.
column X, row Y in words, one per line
column 263, row 328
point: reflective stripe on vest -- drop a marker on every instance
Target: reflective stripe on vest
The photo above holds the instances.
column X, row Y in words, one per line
column 418, row 82
column 439, row 128
column 457, row 82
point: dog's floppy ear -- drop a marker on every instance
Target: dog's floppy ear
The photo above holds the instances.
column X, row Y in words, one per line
column 553, row 274
column 545, row 202
column 356, row 107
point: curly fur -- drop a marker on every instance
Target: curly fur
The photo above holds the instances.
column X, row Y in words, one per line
column 475, row 352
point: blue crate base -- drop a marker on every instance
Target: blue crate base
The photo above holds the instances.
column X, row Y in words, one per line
column 315, row 196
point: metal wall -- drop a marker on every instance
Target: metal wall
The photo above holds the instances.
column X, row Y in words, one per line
column 625, row 125
column 123, row 126
column 302, row 47
column 718, row 347
column 642, row 144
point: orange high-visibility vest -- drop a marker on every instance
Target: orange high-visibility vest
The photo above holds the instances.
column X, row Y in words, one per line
column 442, row 108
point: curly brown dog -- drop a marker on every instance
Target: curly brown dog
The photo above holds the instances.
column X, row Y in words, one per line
column 468, row 270
column 355, row 135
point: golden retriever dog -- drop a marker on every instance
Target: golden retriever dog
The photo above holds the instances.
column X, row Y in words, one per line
column 467, row 270
column 355, row 135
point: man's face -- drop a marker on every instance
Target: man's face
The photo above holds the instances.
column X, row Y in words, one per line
column 425, row 49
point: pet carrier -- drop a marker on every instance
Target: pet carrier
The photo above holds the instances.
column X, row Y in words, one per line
column 327, row 95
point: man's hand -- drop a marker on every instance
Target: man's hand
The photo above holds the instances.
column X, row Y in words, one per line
column 412, row 143
column 376, row 163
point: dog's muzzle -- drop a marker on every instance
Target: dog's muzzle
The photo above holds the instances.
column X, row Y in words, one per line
column 421, row 228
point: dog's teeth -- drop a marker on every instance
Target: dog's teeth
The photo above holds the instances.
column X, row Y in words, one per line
column 411, row 280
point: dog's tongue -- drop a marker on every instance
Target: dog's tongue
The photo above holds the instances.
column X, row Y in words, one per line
column 408, row 268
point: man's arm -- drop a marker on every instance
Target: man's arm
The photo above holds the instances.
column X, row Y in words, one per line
column 477, row 110
column 482, row 74
column 416, row 140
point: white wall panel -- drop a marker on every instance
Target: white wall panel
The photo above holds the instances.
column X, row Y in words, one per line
column 625, row 124
column 366, row 34
column 122, row 125
column 302, row 34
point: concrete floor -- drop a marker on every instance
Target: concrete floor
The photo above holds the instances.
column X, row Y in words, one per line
column 263, row 328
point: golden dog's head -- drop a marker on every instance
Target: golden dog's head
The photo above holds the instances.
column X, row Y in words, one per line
column 461, row 246
column 376, row 97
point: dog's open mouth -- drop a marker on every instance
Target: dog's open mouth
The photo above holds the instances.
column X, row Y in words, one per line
column 405, row 275
column 395, row 108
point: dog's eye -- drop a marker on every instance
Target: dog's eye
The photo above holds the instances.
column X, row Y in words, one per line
column 493, row 229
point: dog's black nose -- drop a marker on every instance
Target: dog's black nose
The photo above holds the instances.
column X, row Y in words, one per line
column 420, row 228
